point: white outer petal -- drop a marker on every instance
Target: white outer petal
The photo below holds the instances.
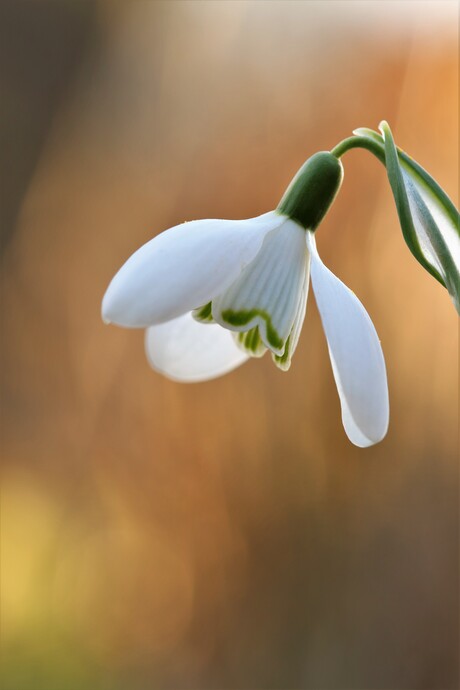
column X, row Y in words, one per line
column 183, row 268
column 356, row 355
column 187, row 351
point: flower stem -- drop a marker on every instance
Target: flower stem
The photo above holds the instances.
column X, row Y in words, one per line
column 356, row 142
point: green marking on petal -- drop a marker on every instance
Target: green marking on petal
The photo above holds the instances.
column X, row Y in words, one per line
column 251, row 342
column 203, row 314
column 242, row 318
column 283, row 361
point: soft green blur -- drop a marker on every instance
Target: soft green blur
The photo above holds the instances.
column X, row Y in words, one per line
column 222, row 536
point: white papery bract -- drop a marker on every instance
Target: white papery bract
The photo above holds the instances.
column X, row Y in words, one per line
column 213, row 293
column 429, row 220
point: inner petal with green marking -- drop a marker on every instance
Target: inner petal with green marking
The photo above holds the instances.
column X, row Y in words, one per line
column 203, row 314
column 251, row 342
column 267, row 293
column 283, row 361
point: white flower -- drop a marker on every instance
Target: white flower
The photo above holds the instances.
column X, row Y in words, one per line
column 212, row 293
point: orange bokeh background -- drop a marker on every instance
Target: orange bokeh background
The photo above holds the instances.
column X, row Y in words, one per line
column 223, row 535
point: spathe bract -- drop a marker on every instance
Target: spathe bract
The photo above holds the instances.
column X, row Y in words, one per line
column 428, row 218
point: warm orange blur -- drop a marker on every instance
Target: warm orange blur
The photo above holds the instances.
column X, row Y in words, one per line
column 224, row 535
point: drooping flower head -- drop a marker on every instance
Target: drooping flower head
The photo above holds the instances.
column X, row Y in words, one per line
column 212, row 293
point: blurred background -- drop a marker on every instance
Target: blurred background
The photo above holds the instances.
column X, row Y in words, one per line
column 221, row 536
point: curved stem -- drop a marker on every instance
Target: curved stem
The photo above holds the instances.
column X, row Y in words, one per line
column 360, row 142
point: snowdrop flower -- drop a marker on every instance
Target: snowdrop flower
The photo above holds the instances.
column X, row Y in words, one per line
column 212, row 293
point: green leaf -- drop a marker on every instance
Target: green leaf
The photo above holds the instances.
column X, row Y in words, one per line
column 313, row 189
